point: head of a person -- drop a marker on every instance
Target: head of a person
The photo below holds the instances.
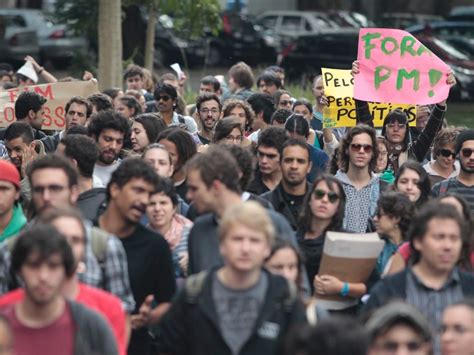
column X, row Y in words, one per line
column 285, row 260
column 5, row 77
column 244, row 159
column 109, row 129
column 24, row 80
column 437, row 235
column 130, row 188
column 395, row 127
column 358, row 148
column 394, row 213
column 278, row 71
column 54, row 183
column 280, row 116
column 334, row 335
column 145, row 130
column 240, row 109
column 29, row 106
column 318, row 87
column 325, row 202
column 169, row 79
column 268, row 83
column 263, row 105
column 297, row 127
column 163, row 204
column 159, row 158
column 18, row 141
column 166, row 98
column 43, row 260
column 465, row 150
column 78, row 110
column 295, row 162
column 444, row 145
column 148, row 80
column 128, row 106
column 133, row 77
column 283, row 99
column 240, row 76
column 457, row 330
column 114, row 94
column 138, row 95
column 100, row 102
column 246, row 234
column 304, row 108
column 382, row 159
column 209, row 108
column 83, row 153
column 228, row 131
column 69, row 222
column 269, row 147
column 209, row 85
column 179, row 144
column 398, row 328
column 9, row 187
column 210, row 175
column 413, row 180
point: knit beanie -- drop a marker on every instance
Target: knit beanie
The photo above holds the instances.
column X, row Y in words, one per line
column 9, row 172
column 465, row 135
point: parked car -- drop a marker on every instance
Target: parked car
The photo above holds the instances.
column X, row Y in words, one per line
column 460, row 63
column 239, row 39
column 461, row 13
column 16, row 40
column 169, row 46
column 304, row 58
column 56, row 42
column 349, row 19
column 402, row 20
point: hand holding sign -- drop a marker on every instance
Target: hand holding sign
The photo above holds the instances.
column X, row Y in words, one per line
column 395, row 66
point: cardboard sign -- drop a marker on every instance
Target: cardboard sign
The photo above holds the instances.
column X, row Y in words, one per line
column 396, row 67
column 57, row 94
column 341, row 111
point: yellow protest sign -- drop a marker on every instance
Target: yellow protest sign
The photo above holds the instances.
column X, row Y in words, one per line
column 341, row 110
column 57, row 94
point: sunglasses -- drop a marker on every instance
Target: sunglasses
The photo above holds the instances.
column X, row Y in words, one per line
column 285, row 102
column 332, row 196
column 466, row 152
column 447, row 153
column 357, row 147
column 164, row 98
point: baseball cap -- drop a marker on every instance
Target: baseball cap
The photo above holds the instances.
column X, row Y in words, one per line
column 9, row 172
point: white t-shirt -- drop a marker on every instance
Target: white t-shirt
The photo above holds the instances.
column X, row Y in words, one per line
column 104, row 172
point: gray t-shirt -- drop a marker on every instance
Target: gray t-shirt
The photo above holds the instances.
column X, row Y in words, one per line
column 237, row 310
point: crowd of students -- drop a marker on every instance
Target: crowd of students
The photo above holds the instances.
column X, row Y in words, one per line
column 150, row 225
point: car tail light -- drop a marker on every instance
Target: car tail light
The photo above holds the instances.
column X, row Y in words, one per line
column 58, row 34
column 13, row 41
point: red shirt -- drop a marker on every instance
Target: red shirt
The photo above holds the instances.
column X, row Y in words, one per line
column 55, row 338
column 103, row 302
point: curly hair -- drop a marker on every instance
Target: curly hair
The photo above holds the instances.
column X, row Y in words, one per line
column 397, row 205
column 249, row 114
column 346, row 143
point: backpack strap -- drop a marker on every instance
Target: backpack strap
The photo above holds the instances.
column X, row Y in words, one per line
column 193, row 286
column 99, row 239
column 181, row 119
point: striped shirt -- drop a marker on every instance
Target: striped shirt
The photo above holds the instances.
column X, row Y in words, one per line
column 453, row 185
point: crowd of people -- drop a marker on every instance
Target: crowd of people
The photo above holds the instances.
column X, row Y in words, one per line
column 151, row 225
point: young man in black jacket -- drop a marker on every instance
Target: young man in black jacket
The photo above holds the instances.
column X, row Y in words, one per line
column 237, row 308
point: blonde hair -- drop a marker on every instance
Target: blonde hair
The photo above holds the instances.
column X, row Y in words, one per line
column 249, row 214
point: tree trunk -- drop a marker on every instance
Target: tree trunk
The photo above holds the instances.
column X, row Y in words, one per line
column 150, row 36
column 110, row 43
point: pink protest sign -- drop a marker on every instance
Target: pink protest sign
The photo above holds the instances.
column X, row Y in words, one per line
column 396, row 67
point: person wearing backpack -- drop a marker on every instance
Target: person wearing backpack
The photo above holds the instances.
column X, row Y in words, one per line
column 238, row 308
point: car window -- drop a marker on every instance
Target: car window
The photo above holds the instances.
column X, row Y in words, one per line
column 13, row 20
column 291, row 24
column 269, row 21
column 307, row 25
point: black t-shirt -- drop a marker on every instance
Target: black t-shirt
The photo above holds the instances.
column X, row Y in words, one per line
column 181, row 190
column 294, row 203
column 151, row 272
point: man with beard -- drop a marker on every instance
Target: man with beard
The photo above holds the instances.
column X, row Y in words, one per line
column 209, row 110
column 108, row 129
column 288, row 197
column 149, row 260
column 462, row 184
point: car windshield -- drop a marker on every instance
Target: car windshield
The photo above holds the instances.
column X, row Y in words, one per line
column 448, row 48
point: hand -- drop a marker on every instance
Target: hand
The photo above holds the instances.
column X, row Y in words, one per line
column 355, row 68
column 27, row 156
column 422, row 110
column 32, row 60
column 327, row 285
column 323, row 100
column 87, row 75
column 182, row 79
column 143, row 317
column 451, row 79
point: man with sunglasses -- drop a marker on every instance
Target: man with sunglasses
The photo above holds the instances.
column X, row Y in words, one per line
column 463, row 184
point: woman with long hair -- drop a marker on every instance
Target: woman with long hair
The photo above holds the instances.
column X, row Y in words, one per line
column 413, row 181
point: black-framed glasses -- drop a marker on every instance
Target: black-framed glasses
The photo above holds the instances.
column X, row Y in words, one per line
column 367, row 148
column 467, row 152
column 163, row 97
column 206, row 111
column 332, row 196
column 447, row 153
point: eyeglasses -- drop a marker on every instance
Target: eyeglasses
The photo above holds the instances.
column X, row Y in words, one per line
column 447, row 153
column 466, row 152
column 206, row 111
column 53, row 189
column 357, row 147
column 332, row 196
column 392, row 346
column 231, row 138
column 163, row 97
column 285, row 102
column 396, row 125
